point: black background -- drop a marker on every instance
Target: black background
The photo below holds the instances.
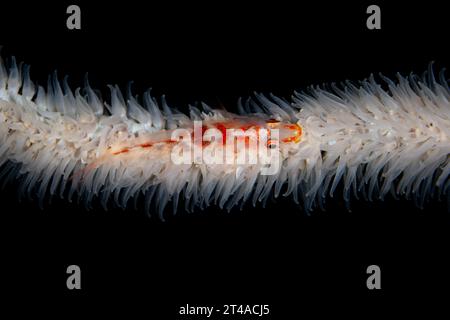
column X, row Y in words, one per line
column 216, row 52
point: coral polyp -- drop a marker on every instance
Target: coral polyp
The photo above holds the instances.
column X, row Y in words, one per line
column 372, row 140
